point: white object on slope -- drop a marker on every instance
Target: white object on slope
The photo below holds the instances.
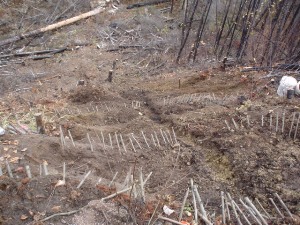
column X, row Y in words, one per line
column 167, row 210
column 2, row 131
column 287, row 83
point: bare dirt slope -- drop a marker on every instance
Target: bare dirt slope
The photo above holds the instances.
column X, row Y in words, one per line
column 166, row 119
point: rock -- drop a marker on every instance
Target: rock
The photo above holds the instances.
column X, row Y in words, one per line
column 2, row 131
column 98, row 3
column 188, row 213
column 80, row 82
column 241, row 100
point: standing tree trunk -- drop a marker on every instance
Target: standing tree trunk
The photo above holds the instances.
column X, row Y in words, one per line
column 200, row 31
column 219, row 35
column 189, row 24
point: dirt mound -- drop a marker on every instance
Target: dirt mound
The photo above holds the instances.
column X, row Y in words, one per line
column 36, row 198
column 98, row 211
column 87, row 94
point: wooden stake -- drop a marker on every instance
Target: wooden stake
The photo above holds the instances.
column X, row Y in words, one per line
column 278, row 211
column 132, row 145
column 256, row 211
column 153, row 140
column 103, row 141
column 136, row 141
column 99, row 181
column 284, row 205
column 183, row 203
column 9, row 169
column 156, row 137
column 161, row 132
column 235, row 124
column 241, row 212
column 142, row 185
column 174, row 134
column 234, row 210
column 167, row 138
column 145, row 139
column 194, row 204
column 227, row 124
column 127, row 179
column 116, row 135
column 45, row 168
column 202, row 210
column 248, row 121
column 262, row 120
column 70, row 135
column 110, row 141
column 260, row 205
column 271, row 117
column 283, row 121
column 88, row 137
column 276, row 128
column 292, row 124
column 223, row 208
column 155, row 210
column 204, row 219
column 64, row 172
column 251, row 212
column 41, row 170
column 297, row 124
column 133, row 186
column 114, row 177
column 147, row 178
column 39, row 123
column 57, row 112
column 28, row 172
column 227, row 210
column 123, row 144
column 62, row 138
column 171, row 141
column 1, row 172
column 84, row 178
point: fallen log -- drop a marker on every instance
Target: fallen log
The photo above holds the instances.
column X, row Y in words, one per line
column 23, row 54
column 287, row 67
column 40, row 57
column 142, row 4
column 255, row 68
column 52, row 26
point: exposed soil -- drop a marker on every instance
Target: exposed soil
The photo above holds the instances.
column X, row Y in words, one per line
column 249, row 159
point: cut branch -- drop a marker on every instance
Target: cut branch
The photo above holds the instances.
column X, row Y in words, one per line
column 52, row 26
column 141, row 4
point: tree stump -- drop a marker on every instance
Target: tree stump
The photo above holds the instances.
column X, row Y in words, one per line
column 110, row 76
column 39, row 123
